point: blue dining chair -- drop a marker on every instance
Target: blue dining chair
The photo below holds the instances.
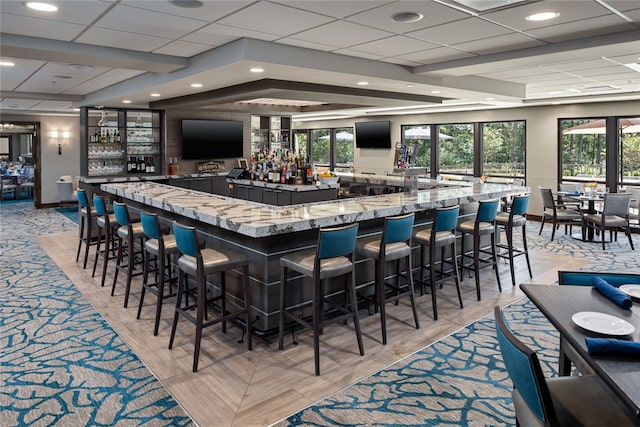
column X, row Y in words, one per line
column 557, row 401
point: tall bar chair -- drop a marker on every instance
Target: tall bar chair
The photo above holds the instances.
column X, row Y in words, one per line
column 332, row 257
column 440, row 235
column 483, row 225
column 106, row 240
column 199, row 263
column 160, row 248
column 129, row 233
column 393, row 245
column 86, row 232
column 516, row 217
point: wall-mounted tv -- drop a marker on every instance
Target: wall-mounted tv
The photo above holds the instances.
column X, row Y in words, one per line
column 373, row 134
column 211, row 139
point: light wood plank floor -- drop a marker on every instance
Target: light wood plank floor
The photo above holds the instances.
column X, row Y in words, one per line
column 236, row 387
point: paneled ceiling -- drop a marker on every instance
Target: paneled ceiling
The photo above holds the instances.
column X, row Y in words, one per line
column 316, row 54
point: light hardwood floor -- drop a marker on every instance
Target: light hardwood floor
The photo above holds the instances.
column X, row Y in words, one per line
column 236, row 387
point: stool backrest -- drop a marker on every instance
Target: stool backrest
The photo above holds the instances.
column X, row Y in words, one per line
column 82, row 198
column 186, row 239
column 150, row 225
column 487, row 210
column 398, row 228
column 519, row 205
column 121, row 213
column 337, row 241
column 446, row 218
column 99, row 205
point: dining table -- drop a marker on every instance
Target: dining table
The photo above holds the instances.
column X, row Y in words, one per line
column 565, row 306
column 590, row 199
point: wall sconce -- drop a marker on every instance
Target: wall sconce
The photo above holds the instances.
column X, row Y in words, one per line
column 55, row 135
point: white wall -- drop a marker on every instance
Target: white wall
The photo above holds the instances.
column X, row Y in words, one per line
column 53, row 165
column 542, row 136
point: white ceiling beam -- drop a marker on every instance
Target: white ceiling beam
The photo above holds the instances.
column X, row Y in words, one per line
column 16, row 46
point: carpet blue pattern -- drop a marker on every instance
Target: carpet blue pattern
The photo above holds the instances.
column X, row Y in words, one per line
column 61, row 363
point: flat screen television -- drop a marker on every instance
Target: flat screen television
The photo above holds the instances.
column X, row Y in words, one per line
column 373, row 134
column 211, row 139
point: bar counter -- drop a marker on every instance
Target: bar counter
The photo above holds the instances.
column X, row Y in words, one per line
column 266, row 232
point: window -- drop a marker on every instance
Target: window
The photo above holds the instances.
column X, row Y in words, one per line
column 418, row 136
column 320, row 147
column 503, row 149
column 455, row 149
column 343, row 138
column 583, row 150
column 629, row 131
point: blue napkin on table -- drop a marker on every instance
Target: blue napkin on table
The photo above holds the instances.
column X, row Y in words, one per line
column 612, row 347
column 573, row 194
column 611, row 292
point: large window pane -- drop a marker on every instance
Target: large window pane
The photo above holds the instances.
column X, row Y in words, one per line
column 344, row 147
column 419, row 137
column 320, row 147
column 503, row 145
column 455, row 149
column 583, row 150
column 629, row 131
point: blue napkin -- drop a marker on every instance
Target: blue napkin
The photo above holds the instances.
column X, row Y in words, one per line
column 573, row 194
column 612, row 347
column 611, row 292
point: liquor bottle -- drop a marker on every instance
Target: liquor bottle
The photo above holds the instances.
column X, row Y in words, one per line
column 134, row 165
column 143, row 165
column 152, row 167
column 176, row 168
column 129, row 165
column 170, row 167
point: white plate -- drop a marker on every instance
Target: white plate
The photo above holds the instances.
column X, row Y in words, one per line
column 602, row 323
column 632, row 290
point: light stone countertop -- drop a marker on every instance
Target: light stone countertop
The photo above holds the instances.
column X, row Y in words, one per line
column 261, row 220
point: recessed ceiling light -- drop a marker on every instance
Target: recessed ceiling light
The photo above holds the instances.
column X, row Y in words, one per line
column 6, row 64
column 363, row 83
column 256, row 70
column 407, row 17
column 410, row 85
column 126, row 101
column 436, row 91
column 542, row 16
column 196, row 84
column 42, row 7
column 490, row 99
column 188, row 4
column 154, row 95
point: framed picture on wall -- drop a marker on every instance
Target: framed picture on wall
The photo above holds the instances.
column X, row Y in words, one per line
column 243, row 163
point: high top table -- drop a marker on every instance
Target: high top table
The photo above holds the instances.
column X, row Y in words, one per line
column 266, row 232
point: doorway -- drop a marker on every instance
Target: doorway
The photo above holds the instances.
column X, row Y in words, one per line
column 20, row 150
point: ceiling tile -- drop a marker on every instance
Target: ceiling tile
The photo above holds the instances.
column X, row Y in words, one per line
column 274, row 18
column 11, row 77
column 460, row 31
column 36, row 27
column 53, row 106
column 69, row 11
column 505, row 43
column 217, row 33
column 581, row 29
column 434, row 14
column 182, row 48
column 9, row 104
column 114, row 38
column 336, row 9
column 150, row 23
column 394, row 46
column 439, row 54
column 210, row 11
column 102, row 81
column 342, row 34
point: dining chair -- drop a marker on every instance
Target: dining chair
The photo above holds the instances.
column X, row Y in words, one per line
column 634, row 207
column 556, row 401
column 7, row 186
column 333, row 256
column 557, row 213
column 393, row 245
column 441, row 235
column 129, row 235
column 614, row 217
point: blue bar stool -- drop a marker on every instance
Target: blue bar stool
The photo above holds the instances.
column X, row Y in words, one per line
column 199, row 263
column 515, row 217
column 129, row 233
column 441, row 234
column 86, row 232
column 483, row 225
column 332, row 257
column 106, row 232
column 160, row 248
column 393, row 245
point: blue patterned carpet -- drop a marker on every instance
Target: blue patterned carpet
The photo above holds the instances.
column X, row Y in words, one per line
column 460, row 380
column 61, row 363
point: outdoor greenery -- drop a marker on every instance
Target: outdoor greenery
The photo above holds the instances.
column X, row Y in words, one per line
column 456, row 153
column 321, row 146
column 503, row 146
